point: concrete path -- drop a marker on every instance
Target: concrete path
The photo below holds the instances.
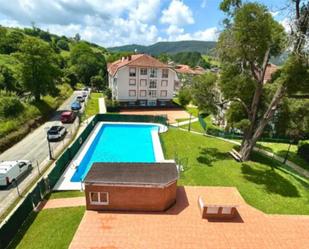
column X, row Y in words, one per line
column 290, row 164
column 184, row 122
column 102, row 106
column 63, row 202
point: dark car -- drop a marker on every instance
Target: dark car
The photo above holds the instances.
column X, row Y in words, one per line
column 56, row 133
column 75, row 106
column 80, row 98
column 68, row 117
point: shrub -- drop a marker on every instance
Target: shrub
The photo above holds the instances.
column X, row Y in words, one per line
column 303, row 149
column 10, row 106
column 184, row 96
column 63, row 44
column 108, row 93
column 112, row 105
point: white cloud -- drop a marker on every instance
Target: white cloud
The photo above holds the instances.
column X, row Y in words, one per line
column 146, row 10
column 286, row 24
column 177, row 14
column 210, row 34
column 274, row 13
column 174, row 30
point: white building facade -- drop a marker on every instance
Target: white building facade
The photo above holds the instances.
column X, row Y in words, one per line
column 141, row 80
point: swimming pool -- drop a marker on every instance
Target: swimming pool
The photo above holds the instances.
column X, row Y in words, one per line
column 118, row 143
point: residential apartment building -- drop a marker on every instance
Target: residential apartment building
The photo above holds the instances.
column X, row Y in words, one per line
column 141, row 80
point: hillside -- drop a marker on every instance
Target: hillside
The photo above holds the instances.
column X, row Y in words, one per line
column 203, row 47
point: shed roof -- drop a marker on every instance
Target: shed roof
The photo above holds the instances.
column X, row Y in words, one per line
column 132, row 173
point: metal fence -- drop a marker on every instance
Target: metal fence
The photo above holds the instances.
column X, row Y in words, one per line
column 32, row 199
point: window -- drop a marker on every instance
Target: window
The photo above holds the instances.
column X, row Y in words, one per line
column 132, row 93
column 164, row 83
column 99, row 198
column 153, row 93
column 143, row 71
column 143, row 93
column 152, row 84
column 152, row 103
column 142, row 102
column 132, row 72
column 164, row 73
column 132, row 82
column 163, row 93
column 143, row 82
column 153, row 73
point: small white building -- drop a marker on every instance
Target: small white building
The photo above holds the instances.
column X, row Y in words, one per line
column 141, row 80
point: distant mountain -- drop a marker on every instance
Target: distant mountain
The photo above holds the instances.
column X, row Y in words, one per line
column 203, row 47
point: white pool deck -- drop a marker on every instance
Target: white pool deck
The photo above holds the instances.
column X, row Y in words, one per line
column 64, row 182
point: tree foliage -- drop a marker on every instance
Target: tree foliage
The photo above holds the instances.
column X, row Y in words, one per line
column 87, row 63
column 184, row 96
column 38, row 67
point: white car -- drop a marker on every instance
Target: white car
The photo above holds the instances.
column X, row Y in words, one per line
column 10, row 171
column 56, row 133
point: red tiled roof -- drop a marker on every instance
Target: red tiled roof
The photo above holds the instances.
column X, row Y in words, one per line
column 188, row 70
column 138, row 60
column 271, row 68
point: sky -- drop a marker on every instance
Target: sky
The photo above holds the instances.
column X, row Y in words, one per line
column 119, row 22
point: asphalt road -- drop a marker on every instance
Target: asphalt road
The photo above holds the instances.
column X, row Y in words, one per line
column 34, row 146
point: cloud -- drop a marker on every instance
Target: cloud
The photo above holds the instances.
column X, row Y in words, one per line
column 177, row 14
column 286, row 24
column 210, row 34
column 274, row 13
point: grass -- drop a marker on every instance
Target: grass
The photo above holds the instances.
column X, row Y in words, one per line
column 261, row 182
column 281, row 149
column 49, row 229
column 92, row 106
column 66, row 194
column 196, row 126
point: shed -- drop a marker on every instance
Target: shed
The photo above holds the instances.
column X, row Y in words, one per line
column 131, row 186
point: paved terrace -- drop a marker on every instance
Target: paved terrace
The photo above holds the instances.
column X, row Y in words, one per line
column 172, row 114
column 182, row 227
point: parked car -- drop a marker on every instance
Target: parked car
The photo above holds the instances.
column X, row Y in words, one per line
column 68, row 117
column 75, row 106
column 10, row 171
column 56, row 133
column 85, row 94
column 80, row 98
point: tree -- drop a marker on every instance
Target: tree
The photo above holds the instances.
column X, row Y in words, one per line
column 250, row 38
column 38, row 67
column 97, row 82
column 63, row 44
column 10, row 41
column 163, row 58
column 7, row 80
column 87, row 63
column 184, row 96
column 77, row 37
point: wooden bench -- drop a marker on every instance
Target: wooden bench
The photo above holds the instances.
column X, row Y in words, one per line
column 235, row 155
column 216, row 211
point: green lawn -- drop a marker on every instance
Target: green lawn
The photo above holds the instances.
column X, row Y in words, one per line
column 281, row 149
column 207, row 163
column 196, row 126
column 66, row 194
column 49, row 229
column 92, row 107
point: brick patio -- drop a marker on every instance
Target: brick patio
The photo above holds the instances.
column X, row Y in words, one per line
column 182, row 227
column 172, row 114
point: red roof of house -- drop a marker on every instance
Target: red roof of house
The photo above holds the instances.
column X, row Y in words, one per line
column 181, row 68
column 271, row 68
column 138, row 60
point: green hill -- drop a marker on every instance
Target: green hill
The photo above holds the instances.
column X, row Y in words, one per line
column 203, row 47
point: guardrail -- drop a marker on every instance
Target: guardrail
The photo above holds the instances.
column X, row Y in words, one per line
column 12, row 224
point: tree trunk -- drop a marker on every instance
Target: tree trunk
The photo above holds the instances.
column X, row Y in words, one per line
column 251, row 137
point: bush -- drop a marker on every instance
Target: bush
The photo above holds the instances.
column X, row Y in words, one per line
column 108, row 93
column 112, row 105
column 184, row 96
column 303, row 149
column 10, row 106
column 63, row 44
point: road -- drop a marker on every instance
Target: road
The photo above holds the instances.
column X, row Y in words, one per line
column 34, row 147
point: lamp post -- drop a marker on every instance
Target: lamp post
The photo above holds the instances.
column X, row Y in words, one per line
column 189, row 128
column 48, row 143
column 287, row 153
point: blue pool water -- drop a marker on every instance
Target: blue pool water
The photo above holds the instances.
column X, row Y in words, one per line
column 118, row 143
